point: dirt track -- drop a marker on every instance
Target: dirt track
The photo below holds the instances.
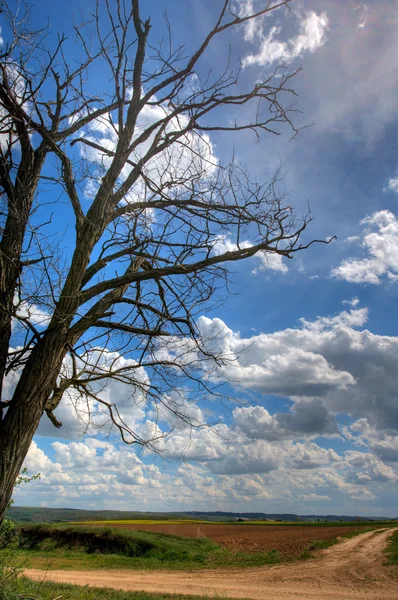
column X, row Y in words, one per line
column 351, row 570
column 289, row 540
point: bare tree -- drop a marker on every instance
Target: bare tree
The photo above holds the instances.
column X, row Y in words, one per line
column 121, row 140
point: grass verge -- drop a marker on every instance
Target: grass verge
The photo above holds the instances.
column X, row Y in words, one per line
column 48, row 591
column 392, row 549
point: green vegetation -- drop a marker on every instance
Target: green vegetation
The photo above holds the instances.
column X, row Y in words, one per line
column 11, row 565
column 78, row 547
column 392, row 549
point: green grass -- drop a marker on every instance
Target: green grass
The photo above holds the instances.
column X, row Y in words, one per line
column 71, row 561
column 48, row 591
column 392, row 550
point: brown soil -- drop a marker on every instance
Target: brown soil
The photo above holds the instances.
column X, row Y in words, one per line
column 351, row 570
column 290, row 541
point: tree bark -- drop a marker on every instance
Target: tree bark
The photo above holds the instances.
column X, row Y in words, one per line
column 20, row 199
column 26, row 409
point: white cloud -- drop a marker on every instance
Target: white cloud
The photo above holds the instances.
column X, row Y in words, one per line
column 386, row 449
column 189, row 158
column 256, row 456
column 267, row 260
column 284, row 363
column 380, row 241
column 307, row 419
column 264, row 475
column 311, row 498
column 393, row 184
column 367, row 468
column 353, row 303
column 32, row 312
column 351, row 370
column 37, row 461
column 363, row 15
column 380, row 442
column 81, row 414
column 261, row 456
column 312, row 36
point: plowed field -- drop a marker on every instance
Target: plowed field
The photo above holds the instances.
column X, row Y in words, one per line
column 290, row 541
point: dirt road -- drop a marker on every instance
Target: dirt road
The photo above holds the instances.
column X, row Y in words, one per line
column 351, row 570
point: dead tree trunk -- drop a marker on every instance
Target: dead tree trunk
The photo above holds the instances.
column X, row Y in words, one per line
column 24, row 413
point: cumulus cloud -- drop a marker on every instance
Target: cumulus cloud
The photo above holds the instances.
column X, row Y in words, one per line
column 393, row 184
column 37, row 461
column 379, row 441
column 187, row 159
column 380, row 242
column 386, row 449
column 311, row 36
column 255, row 455
column 31, row 312
column 306, row 419
column 267, row 260
column 351, row 370
column 95, row 473
column 280, row 363
column 85, row 415
column 367, row 468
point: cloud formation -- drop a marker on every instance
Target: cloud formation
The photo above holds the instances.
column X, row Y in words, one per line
column 311, row 36
column 393, row 184
column 380, row 242
column 256, row 456
column 332, row 359
column 266, row 260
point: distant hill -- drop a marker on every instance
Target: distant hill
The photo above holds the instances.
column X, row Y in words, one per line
column 28, row 514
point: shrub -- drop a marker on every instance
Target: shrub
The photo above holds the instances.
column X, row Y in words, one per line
column 10, row 565
column 8, row 534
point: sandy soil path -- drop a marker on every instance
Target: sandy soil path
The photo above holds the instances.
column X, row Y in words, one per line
column 351, row 570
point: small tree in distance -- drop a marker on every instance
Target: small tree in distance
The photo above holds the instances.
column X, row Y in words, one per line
column 118, row 143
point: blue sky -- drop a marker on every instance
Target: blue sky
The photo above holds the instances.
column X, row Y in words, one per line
column 316, row 427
